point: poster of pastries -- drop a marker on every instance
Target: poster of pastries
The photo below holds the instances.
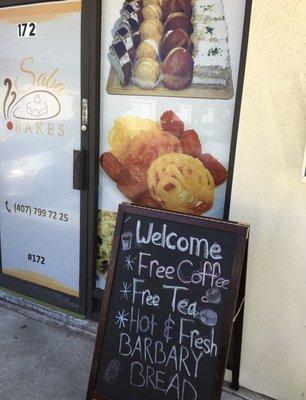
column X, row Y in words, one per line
column 168, row 87
column 173, row 48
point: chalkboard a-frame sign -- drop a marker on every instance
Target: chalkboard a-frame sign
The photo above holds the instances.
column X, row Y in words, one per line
column 168, row 309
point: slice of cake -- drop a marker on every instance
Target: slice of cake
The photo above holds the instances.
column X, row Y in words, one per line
column 211, row 63
column 211, row 31
column 207, row 10
column 37, row 108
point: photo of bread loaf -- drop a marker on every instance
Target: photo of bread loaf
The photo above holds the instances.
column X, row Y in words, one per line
column 161, row 164
column 176, row 48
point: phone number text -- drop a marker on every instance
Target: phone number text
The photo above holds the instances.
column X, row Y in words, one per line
column 39, row 212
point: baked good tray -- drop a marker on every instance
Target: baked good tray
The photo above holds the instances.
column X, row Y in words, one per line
column 194, row 91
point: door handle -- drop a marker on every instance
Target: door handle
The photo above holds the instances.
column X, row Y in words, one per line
column 79, row 170
column 84, row 115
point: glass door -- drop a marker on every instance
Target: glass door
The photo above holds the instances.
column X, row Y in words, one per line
column 171, row 82
column 40, row 137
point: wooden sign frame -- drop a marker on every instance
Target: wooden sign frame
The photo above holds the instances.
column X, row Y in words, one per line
column 227, row 321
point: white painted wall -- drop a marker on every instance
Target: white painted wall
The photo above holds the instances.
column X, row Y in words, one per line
column 267, row 192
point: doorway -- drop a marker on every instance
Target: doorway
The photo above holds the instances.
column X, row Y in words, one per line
column 45, row 193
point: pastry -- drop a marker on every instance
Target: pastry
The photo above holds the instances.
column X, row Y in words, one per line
column 121, row 62
column 190, row 143
column 176, row 38
column 178, row 20
column 151, row 29
column 147, row 2
column 152, row 11
column 147, row 48
column 133, row 27
column 146, row 73
column 148, row 201
column 211, row 63
column 217, row 170
column 133, row 190
column 177, row 69
column 172, row 123
column 140, row 2
column 125, row 36
column 125, row 129
column 172, row 6
column 181, row 183
column 114, row 169
column 132, row 6
column 130, row 24
column 146, row 147
column 211, row 31
column 128, row 12
column 208, row 10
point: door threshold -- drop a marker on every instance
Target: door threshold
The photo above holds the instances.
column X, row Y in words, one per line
column 46, row 313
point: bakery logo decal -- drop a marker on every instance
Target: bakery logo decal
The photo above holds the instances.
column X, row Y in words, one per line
column 32, row 102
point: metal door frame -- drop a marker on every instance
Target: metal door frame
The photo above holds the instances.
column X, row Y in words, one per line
column 90, row 80
column 95, row 295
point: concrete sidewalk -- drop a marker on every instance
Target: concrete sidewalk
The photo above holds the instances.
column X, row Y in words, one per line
column 42, row 361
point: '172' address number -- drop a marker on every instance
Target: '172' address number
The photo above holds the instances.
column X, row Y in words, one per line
column 26, row 29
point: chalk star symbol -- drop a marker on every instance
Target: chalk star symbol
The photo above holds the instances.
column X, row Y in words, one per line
column 129, row 262
column 126, row 290
column 121, row 318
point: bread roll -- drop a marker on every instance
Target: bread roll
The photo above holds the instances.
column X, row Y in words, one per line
column 152, row 11
column 148, row 48
column 177, row 69
column 148, row 2
column 176, row 38
column 151, row 29
column 172, row 6
column 146, row 73
column 178, row 20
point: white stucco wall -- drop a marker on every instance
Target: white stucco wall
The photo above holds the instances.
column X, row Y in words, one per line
column 268, row 194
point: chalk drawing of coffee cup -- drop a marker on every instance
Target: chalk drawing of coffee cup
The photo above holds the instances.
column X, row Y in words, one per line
column 126, row 240
column 112, row 371
column 212, row 295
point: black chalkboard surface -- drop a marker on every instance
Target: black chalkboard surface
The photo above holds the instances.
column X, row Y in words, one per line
column 168, row 308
